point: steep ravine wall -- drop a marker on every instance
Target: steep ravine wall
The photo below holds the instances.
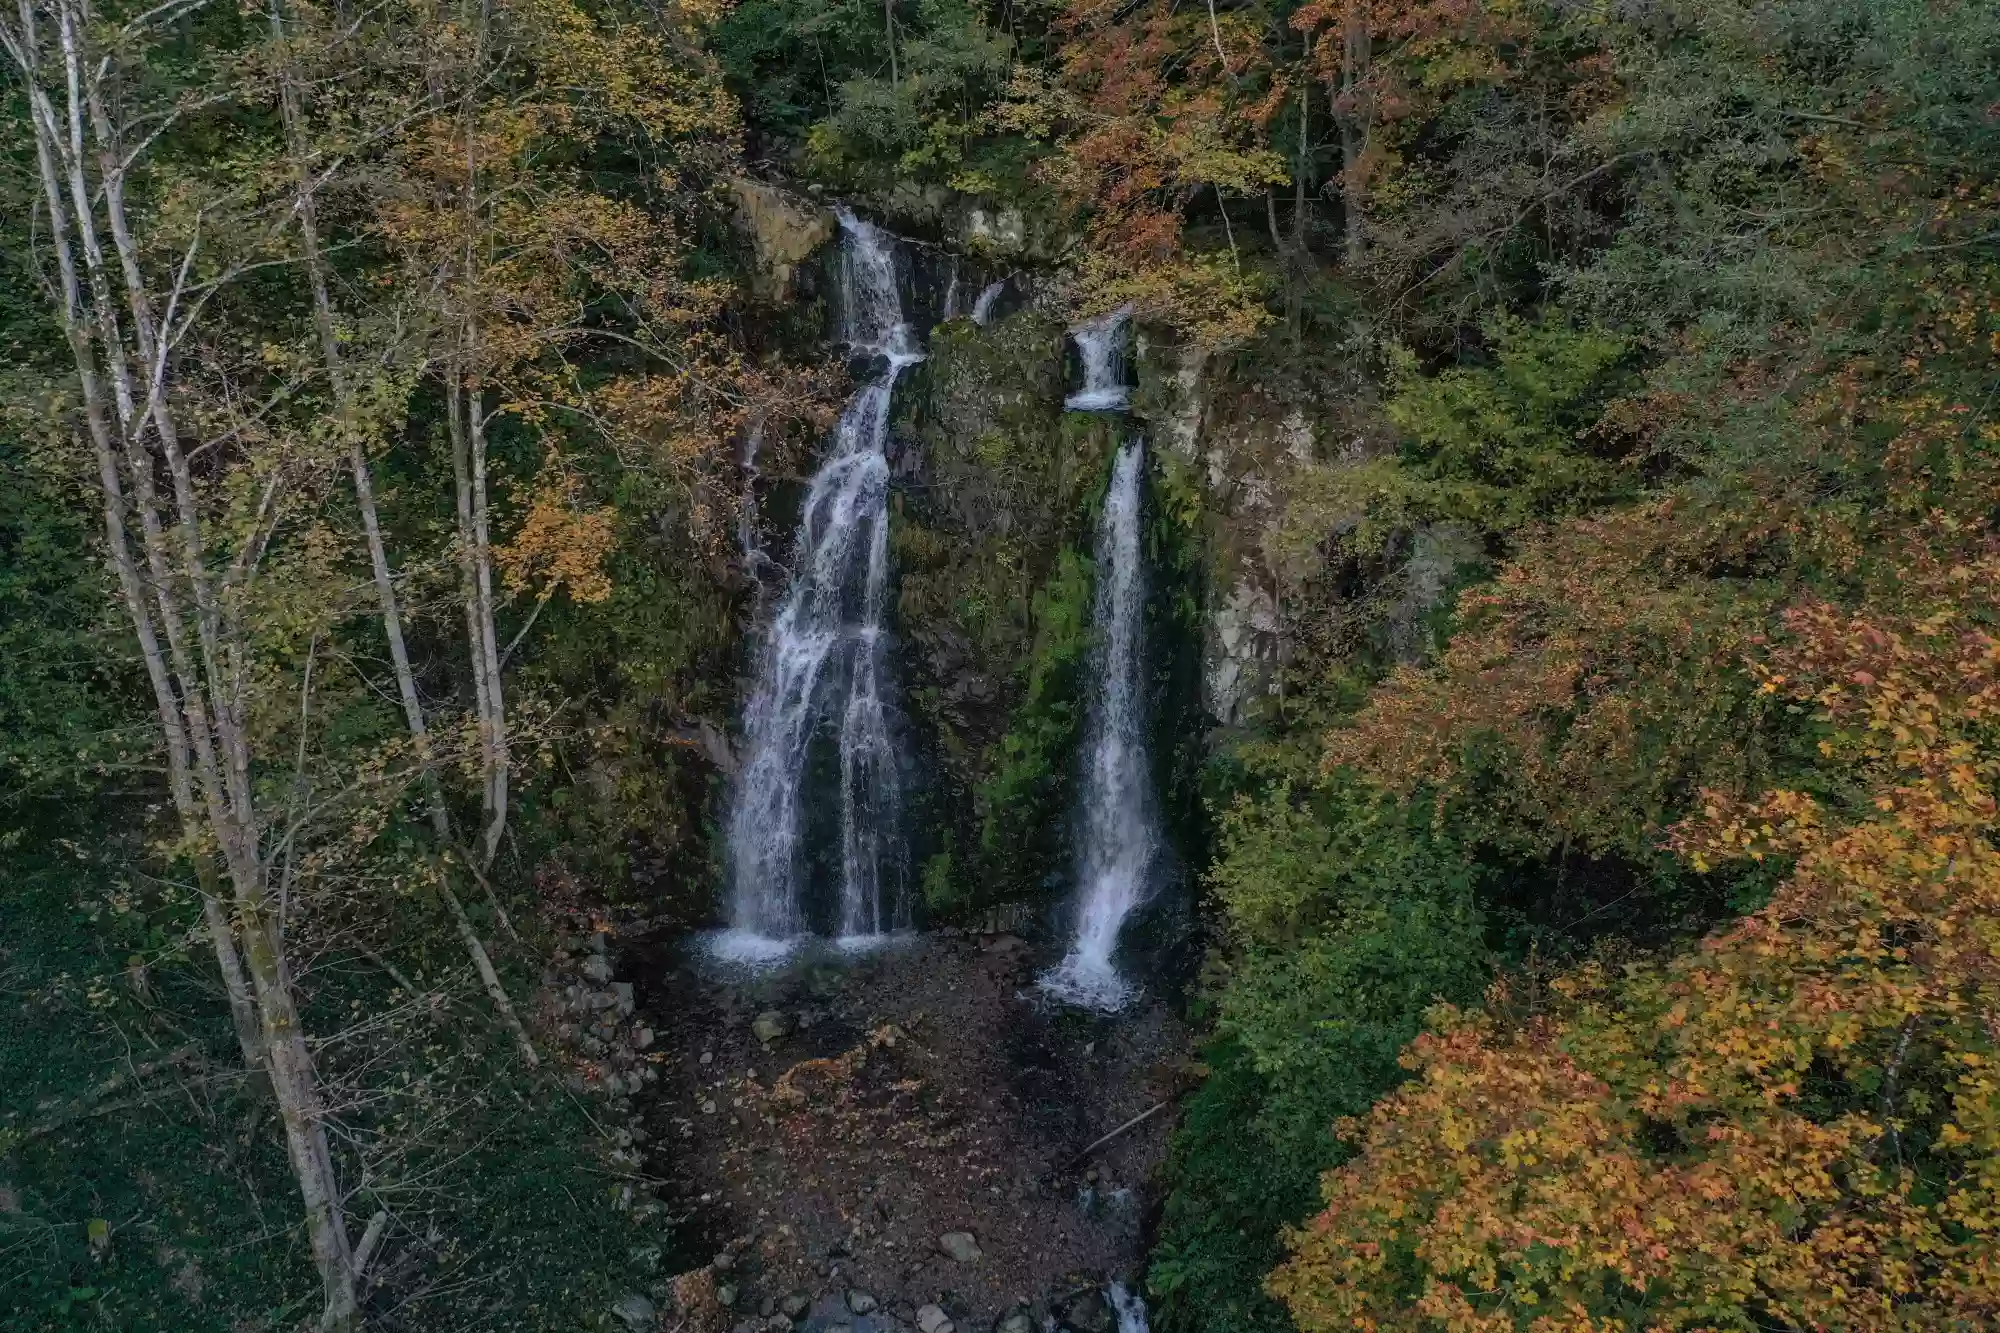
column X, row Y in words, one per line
column 995, row 492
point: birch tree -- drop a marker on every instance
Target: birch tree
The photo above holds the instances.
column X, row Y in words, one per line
column 185, row 584
column 352, row 431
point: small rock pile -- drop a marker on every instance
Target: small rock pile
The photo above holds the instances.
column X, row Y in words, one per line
column 606, row 1050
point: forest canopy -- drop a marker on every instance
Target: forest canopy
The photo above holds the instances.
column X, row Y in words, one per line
column 1597, row 897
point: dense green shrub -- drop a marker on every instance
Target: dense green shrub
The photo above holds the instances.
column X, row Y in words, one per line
column 1350, row 917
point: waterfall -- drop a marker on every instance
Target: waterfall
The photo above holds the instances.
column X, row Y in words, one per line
column 1130, row 1308
column 748, row 539
column 1100, row 343
column 824, row 666
column 950, row 310
column 1119, row 842
column 982, row 305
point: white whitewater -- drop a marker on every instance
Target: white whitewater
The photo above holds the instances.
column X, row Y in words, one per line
column 1119, row 842
column 1130, row 1308
column 824, row 668
column 755, row 562
column 1100, row 344
column 982, row 305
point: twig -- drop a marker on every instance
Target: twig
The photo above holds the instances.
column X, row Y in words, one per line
column 370, row 1238
column 88, row 1104
column 410, row 988
column 1143, row 1116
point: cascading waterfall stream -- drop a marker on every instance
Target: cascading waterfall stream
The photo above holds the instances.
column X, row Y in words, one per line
column 824, row 665
column 982, row 305
column 1100, row 343
column 1120, row 840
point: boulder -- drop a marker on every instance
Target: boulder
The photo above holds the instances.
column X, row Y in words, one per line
column 1091, row 1313
column 1003, row 231
column 960, row 1246
column 861, row 1302
column 636, row 1312
column 933, row 1319
column 597, row 969
column 770, row 1025
column 784, row 230
column 1019, row 1321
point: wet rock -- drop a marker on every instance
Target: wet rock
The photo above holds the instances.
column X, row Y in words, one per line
column 636, row 1312
column 725, row 1294
column 861, row 1302
column 621, row 992
column 642, row 1037
column 933, row 1319
column 1091, row 1313
column 960, row 1246
column 770, row 1025
column 796, row 1304
column 597, row 969
column 724, row 1262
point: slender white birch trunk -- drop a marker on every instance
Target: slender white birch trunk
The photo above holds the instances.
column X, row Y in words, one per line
column 378, row 555
column 201, row 705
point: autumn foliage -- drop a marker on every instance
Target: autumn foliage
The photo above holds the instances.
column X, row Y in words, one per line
column 1797, row 1124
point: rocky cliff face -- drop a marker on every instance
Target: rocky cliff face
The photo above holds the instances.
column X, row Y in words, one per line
column 1257, row 448
column 996, row 494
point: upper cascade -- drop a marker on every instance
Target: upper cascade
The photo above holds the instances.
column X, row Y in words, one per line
column 824, row 676
column 1100, row 344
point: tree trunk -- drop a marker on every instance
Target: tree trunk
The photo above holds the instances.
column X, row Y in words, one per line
column 378, row 555
column 475, row 564
column 1355, row 53
column 889, row 32
column 488, row 645
column 200, row 706
column 1302, row 171
column 180, row 781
